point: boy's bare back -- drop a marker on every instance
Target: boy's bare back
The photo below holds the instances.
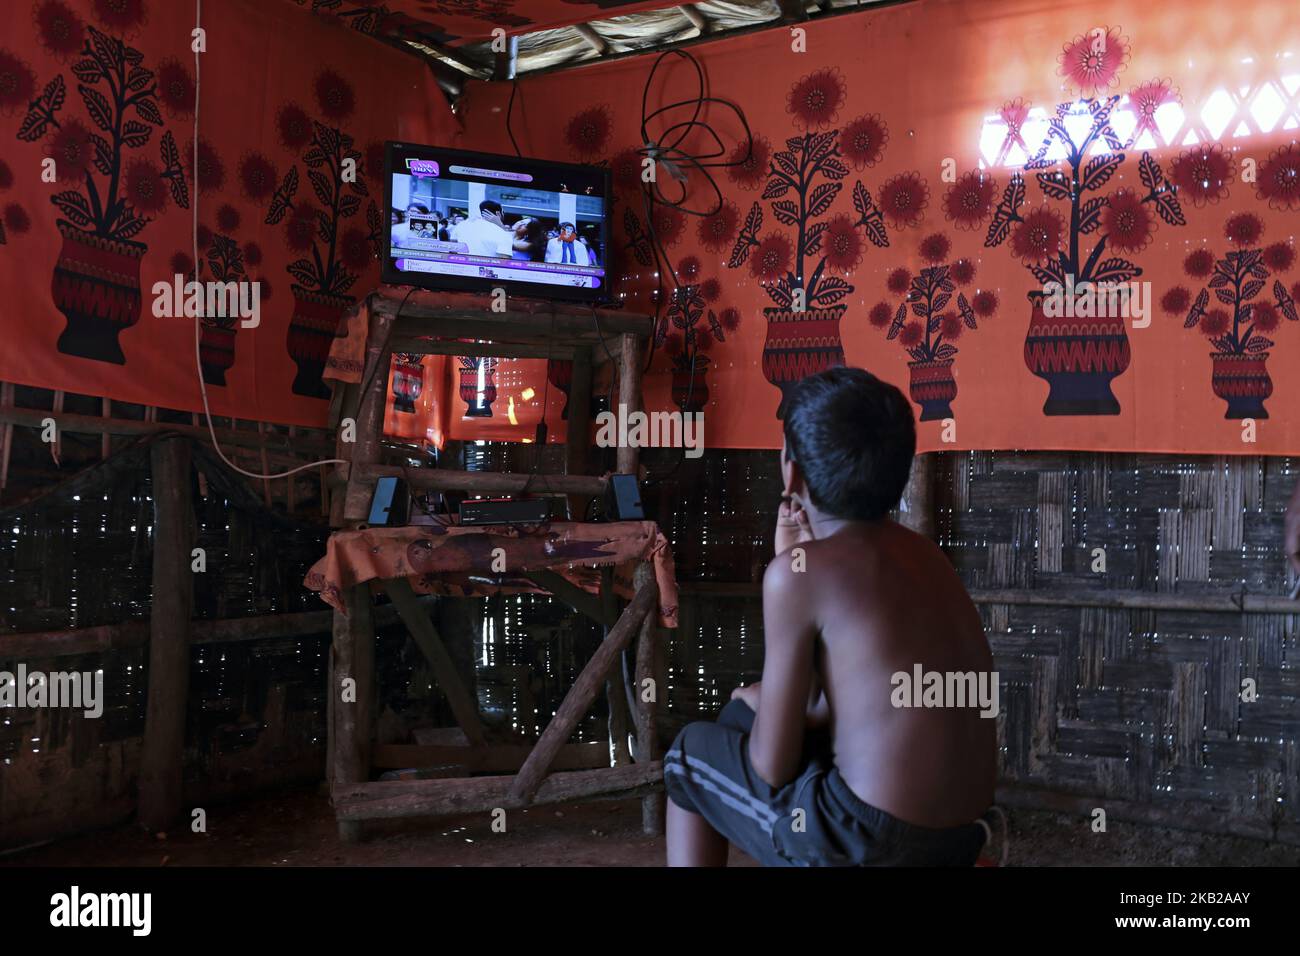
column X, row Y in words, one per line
column 884, row 599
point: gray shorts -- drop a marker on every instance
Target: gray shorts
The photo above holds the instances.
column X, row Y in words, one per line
column 815, row 820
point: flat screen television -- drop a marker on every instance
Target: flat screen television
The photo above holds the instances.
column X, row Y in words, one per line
column 477, row 221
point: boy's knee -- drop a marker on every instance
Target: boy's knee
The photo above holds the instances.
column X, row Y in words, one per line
column 737, row 715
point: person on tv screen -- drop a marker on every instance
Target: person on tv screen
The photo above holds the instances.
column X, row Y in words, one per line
column 529, row 240
column 487, row 235
column 568, row 247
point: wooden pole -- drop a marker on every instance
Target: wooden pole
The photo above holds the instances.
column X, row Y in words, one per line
column 620, row 715
column 162, row 755
column 578, row 701
column 352, row 691
column 431, row 798
column 647, row 692
column 629, row 396
column 578, row 441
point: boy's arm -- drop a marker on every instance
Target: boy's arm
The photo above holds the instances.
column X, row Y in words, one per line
column 789, row 632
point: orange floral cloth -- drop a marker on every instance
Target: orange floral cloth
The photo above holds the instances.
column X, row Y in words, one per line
column 458, row 561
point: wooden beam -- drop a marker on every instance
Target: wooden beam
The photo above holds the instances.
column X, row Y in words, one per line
column 171, row 607
column 487, row 482
column 352, row 658
column 620, row 721
column 463, row 706
column 433, row 798
column 493, row 758
column 95, row 425
column 581, row 601
column 792, row 11
column 419, row 318
column 578, row 700
column 369, row 418
column 629, row 395
column 427, row 346
column 646, row 692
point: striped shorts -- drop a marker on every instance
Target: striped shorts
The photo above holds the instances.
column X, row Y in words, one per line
column 815, row 820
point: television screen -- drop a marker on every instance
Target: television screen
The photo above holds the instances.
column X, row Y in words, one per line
column 476, row 221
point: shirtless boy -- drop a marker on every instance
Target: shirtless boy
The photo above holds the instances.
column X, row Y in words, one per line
column 813, row 765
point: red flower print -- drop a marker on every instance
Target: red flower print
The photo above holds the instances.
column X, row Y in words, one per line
column 1215, row 323
column 815, row 99
column 58, row 28
column 717, row 231
column 968, row 201
column 1176, row 300
column 747, row 164
column 843, row 244
column 950, row 325
column 252, row 254
column 935, row 248
column 625, row 170
column 204, row 237
column 898, row 281
column 1243, row 229
column 1091, row 62
column 212, row 173
column 175, row 88
column 354, row 249
column 182, row 264
column 300, row 227
column 1037, row 237
column 588, row 132
column 227, row 218
column 903, row 199
column 1279, row 178
column 688, row 270
column 1203, row 173
column 1295, row 291
column 374, row 160
column 120, row 16
column 294, row 126
column 962, row 272
column 771, row 260
column 673, row 344
column 703, row 339
column 863, row 140
column 6, row 175
column 264, row 288
column 17, row 82
column 730, row 319
column 1264, row 315
column 985, row 303
column 334, row 95
column 1279, row 257
column 710, row 289
column 1199, row 263
column 16, row 219
column 1127, row 223
column 1148, row 98
column 70, row 149
column 145, row 189
column 880, row 315
column 256, row 176
column 668, row 223
column 911, row 334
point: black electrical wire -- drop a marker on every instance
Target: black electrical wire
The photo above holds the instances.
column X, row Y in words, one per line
column 510, row 107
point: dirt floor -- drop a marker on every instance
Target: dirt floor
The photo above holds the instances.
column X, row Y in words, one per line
column 296, row 828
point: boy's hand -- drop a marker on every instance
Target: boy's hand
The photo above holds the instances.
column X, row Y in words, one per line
column 749, row 694
column 792, row 526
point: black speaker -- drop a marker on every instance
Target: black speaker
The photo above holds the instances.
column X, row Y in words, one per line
column 623, row 499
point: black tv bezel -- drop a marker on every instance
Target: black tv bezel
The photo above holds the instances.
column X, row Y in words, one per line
column 439, row 282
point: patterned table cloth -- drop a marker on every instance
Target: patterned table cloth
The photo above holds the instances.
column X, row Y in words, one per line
column 461, row 561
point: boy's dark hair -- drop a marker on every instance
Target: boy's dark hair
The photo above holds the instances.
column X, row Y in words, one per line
column 490, row 205
column 853, row 437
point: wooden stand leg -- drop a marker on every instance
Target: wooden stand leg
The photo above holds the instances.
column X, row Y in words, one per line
column 647, row 691
column 620, row 717
column 162, row 756
column 578, row 440
column 352, row 657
